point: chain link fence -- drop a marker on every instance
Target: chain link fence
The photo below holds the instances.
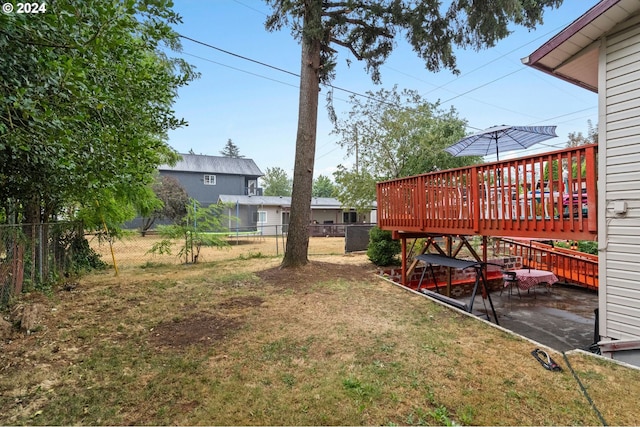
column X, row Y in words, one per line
column 133, row 249
column 33, row 255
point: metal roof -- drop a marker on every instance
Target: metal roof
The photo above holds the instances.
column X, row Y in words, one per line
column 256, row 200
column 573, row 53
column 215, row 164
column 283, row 201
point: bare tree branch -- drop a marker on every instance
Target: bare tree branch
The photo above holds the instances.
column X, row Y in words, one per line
column 348, row 46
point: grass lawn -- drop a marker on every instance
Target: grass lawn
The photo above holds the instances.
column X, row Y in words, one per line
column 236, row 341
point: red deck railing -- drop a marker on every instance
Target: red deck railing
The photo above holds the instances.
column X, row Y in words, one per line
column 551, row 195
column 577, row 268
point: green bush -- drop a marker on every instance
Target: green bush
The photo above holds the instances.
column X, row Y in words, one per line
column 586, row 246
column 83, row 256
column 382, row 249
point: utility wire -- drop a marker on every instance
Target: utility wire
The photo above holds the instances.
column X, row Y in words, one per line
column 264, row 64
column 210, row 46
column 483, row 85
column 241, row 70
column 584, row 391
column 277, row 69
column 542, row 36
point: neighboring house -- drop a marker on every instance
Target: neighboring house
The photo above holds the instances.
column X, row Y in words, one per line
column 207, row 177
column 600, row 51
column 269, row 214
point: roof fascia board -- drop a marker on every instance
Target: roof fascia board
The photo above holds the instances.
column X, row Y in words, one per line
column 556, row 74
column 569, row 32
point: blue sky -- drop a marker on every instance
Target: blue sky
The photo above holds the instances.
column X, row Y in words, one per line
column 257, row 107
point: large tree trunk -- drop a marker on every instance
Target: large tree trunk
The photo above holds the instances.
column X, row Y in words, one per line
column 298, row 235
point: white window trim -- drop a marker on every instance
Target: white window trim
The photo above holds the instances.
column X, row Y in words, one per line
column 260, row 215
column 209, row 179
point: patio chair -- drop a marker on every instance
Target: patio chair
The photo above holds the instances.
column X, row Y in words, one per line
column 510, row 280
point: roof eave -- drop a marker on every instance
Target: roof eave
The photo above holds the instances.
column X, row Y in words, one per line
column 550, row 71
column 570, row 31
column 560, row 56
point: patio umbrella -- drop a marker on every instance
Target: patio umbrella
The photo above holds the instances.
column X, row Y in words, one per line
column 504, row 138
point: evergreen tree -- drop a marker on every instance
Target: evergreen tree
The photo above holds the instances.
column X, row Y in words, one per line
column 368, row 30
column 231, row 150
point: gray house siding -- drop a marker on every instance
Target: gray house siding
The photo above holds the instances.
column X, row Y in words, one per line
column 193, row 183
column 241, row 217
column 232, row 176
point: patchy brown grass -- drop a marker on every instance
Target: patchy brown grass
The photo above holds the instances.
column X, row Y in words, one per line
column 242, row 342
column 134, row 250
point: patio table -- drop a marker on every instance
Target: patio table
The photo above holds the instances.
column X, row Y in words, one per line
column 528, row 278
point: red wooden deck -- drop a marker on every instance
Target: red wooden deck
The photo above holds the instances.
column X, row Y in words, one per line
column 546, row 196
column 577, row 268
column 527, row 197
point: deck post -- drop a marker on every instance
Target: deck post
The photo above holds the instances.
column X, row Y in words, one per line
column 483, row 271
column 448, row 249
column 403, row 245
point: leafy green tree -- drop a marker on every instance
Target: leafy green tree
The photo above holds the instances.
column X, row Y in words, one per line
column 368, row 30
column 85, row 107
column 231, row 150
column 323, row 187
column 577, row 139
column 201, row 227
column 394, row 134
column 276, row 182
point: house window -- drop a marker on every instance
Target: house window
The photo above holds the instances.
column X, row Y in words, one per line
column 209, row 180
column 349, row 217
column 260, row 217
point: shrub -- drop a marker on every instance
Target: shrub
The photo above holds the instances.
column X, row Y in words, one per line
column 382, row 249
column 586, row 246
column 84, row 257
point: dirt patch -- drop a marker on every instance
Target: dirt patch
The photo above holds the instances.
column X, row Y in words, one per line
column 315, row 272
column 206, row 329
column 202, row 330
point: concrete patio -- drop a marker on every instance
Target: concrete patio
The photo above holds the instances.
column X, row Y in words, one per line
column 562, row 317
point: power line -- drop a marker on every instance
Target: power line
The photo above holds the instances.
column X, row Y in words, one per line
column 274, row 68
column 354, row 93
column 264, row 64
column 482, row 85
column 249, row 7
column 241, row 70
